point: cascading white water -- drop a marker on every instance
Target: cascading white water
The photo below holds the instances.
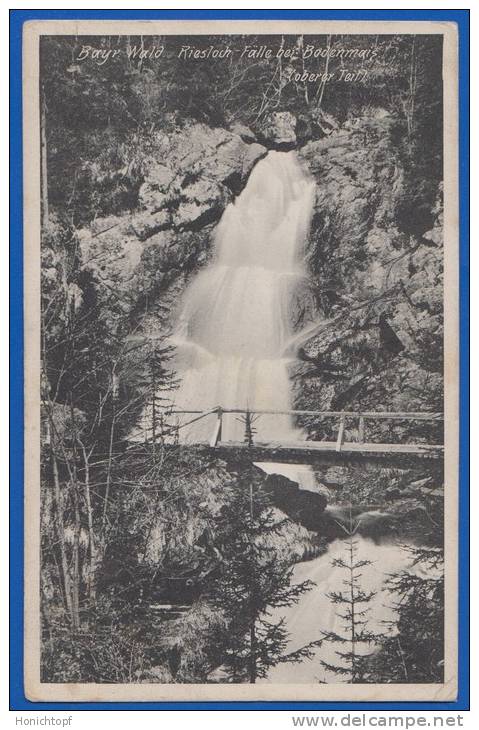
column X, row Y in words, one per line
column 235, row 322
column 315, row 612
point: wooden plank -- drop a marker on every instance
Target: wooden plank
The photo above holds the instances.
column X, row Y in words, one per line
column 348, row 446
column 177, row 427
column 217, row 431
column 324, row 452
column 361, row 430
column 339, row 440
column 380, row 415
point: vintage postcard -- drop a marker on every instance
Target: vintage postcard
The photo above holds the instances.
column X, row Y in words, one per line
column 241, row 357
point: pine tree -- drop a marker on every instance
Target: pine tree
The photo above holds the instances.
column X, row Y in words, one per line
column 248, row 420
column 153, row 378
column 161, row 382
column 252, row 581
column 413, row 649
column 355, row 637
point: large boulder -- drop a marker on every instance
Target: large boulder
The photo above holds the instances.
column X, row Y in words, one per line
column 279, row 129
column 302, row 506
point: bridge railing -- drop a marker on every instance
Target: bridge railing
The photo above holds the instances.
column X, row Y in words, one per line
column 360, row 416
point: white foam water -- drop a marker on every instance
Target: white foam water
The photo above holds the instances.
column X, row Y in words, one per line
column 315, row 612
column 235, row 320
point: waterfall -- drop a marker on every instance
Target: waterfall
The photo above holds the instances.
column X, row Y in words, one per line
column 234, row 334
column 235, row 320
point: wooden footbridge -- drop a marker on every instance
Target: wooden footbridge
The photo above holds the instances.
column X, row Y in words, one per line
column 337, row 452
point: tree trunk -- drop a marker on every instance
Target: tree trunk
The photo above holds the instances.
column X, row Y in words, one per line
column 77, row 525
column 60, row 529
column 91, row 535
column 76, row 560
column 153, row 407
column 252, row 633
column 44, row 161
column 108, row 476
column 353, row 613
column 252, row 658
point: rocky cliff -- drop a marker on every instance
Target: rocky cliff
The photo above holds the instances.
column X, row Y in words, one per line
column 146, row 255
column 377, row 276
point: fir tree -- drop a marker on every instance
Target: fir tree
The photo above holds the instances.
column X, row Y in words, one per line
column 413, row 649
column 156, row 382
column 253, row 580
column 355, row 637
column 248, row 420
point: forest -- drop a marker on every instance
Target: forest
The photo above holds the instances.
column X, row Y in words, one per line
column 161, row 562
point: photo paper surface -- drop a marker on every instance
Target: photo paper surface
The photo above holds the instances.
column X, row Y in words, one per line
column 241, row 357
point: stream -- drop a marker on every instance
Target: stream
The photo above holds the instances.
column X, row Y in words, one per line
column 315, row 612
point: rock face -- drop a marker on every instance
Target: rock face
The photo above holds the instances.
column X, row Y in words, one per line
column 358, row 179
column 377, row 276
column 192, row 175
column 246, row 134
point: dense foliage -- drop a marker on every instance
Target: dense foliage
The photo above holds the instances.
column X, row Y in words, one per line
column 413, row 651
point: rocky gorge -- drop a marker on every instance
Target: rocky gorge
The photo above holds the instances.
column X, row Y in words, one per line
column 130, row 212
column 370, row 312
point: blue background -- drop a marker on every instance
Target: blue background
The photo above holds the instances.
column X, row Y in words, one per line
column 17, row 18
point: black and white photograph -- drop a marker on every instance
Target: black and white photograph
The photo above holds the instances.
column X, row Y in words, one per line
column 242, row 456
